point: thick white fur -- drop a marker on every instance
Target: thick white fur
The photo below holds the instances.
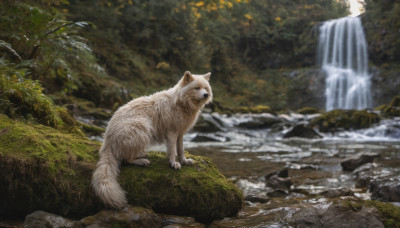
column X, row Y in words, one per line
column 162, row 117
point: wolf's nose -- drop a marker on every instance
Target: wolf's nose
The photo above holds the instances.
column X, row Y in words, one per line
column 205, row 95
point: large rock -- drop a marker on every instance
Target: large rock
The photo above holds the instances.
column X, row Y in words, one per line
column 383, row 182
column 39, row 219
column 345, row 120
column 199, row 191
column 42, row 168
column 340, row 213
column 126, row 217
column 351, row 163
column 302, row 131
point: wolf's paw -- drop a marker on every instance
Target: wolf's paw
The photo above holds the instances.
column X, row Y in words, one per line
column 187, row 161
column 176, row 165
column 141, row 162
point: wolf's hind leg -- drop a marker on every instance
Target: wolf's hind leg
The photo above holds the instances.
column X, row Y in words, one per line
column 181, row 154
column 140, row 162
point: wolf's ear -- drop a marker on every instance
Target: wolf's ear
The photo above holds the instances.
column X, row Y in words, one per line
column 187, row 77
column 207, row 76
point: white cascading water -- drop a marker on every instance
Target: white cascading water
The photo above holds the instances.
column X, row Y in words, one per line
column 342, row 52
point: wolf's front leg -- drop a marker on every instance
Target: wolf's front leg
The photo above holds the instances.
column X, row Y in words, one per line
column 181, row 154
column 171, row 151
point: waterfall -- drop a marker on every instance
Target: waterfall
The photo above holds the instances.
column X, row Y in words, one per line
column 342, row 52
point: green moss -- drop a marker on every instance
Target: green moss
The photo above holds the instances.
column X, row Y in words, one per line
column 308, row 110
column 253, row 109
column 345, row 119
column 199, row 190
column 44, row 168
column 389, row 212
column 393, row 109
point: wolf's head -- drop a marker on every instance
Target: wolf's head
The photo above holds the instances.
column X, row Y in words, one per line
column 194, row 90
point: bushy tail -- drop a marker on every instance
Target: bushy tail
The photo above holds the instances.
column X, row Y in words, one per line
column 105, row 184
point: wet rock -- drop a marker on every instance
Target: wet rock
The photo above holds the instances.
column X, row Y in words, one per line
column 171, row 221
column 127, row 217
column 351, row 163
column 383, row 182
column 277, row 182
column 303, row 166
column 260, row 121
column 210, row 138
column 267, row 215
column 206, row 123
column 278, row 193
column 364, row 174
column 341, row 213
column 256, row 199
column 39, row 219
column 335, row 193
column 280, row 173
column 302, row 131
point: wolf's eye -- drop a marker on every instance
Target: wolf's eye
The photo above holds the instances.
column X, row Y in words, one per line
column 197, row 88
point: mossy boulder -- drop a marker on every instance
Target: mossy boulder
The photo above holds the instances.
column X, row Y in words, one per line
column 308, row 110
column 42, row 168
column 393, row 109
column 345, row 120
column 199, row 190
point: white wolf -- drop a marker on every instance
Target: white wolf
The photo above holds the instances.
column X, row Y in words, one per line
column 162, row 117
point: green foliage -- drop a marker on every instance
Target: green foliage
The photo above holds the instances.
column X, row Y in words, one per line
column 382, row 24
column 20, row 97
column 150, row 43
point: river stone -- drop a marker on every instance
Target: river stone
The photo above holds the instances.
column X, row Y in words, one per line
column 210, row 138
column 256, row 199
column 302, row 131
column 383, row 182
column 277, row 182
column 278, row 193
column 39, row 219
column 335, row 193
column 345, row 212
column 206, row 123
column 172, row 221
column 351, row 163
column 259, row 121
column 126, row 217
column 280, row 173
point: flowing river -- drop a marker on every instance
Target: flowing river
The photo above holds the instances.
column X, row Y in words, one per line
column 314, row 165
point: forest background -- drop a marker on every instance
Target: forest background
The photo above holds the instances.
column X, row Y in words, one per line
column 60, row 56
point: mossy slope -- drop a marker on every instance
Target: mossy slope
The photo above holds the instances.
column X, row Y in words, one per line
column 199, row 190
column 42, row 168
